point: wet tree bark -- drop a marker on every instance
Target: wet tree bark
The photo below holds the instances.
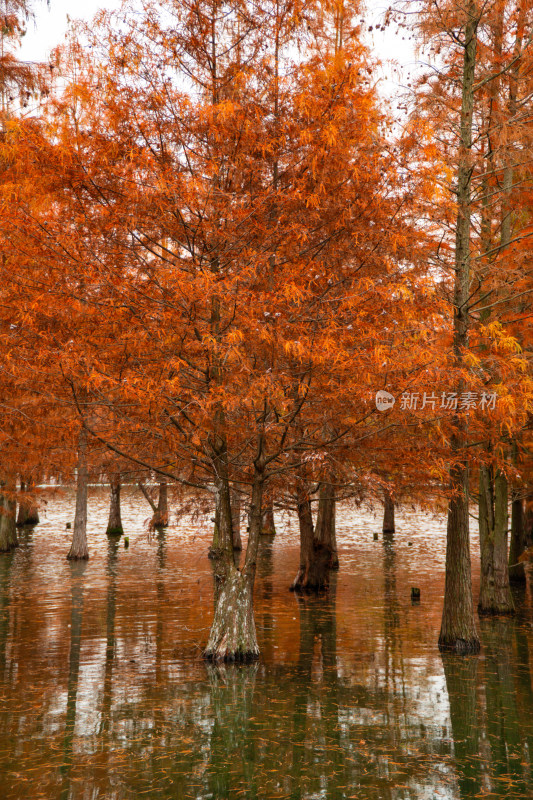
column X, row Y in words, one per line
column 79, row 549
column 518, row 543
column 28, row 513
column 8, row 512
column 495, row 592
column 233, row 636
column 388, row 514
column 458, row 630
column 114, row 525
column 315, row 554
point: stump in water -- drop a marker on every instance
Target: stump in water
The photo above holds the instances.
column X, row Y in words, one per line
column 79, row 549
column 114, row 525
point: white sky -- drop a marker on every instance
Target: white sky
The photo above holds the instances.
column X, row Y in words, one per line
column 51, row 24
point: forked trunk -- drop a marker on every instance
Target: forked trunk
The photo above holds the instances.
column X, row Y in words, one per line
column 458, row 630
column 518, row 543
column 315, row 554
column 233, row 636
column 388, row 514
column 79, row 549
column 114, row 525
column 8, row 512
column 495, row 592
column 28, row 513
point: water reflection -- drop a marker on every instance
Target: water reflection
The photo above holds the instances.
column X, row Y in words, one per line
column 76, row 619
column 103, row 692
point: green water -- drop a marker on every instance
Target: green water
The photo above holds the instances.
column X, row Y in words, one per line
column 104, row 694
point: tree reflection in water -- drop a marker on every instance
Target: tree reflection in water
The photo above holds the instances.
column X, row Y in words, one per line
column 104, row 692
column 78, row 569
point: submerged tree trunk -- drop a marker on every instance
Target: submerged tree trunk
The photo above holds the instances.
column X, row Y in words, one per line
column 233, row 636
column 388, row 513
column 315, row 554
column 495, row 592
column 114, row 525
column 28, row 513
column 79, row 549
column 458, row 630
column 8, row 512
column 518, row 543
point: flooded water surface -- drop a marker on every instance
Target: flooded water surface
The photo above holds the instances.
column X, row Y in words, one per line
column 104, row 693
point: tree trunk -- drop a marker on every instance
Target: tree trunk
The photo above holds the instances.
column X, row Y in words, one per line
column 161, row 520
column 315, row 554
column 223, row 526
column 388, row 514
column 268, row 527
column 8, row 512
column 325, row 533
column 28, row 513
column 458, row 629
column 78, row 549
column 495, row 592
column 517, row 572
column 233, row 636
column 528, row 520
column 236, row 520
column 114, row 525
